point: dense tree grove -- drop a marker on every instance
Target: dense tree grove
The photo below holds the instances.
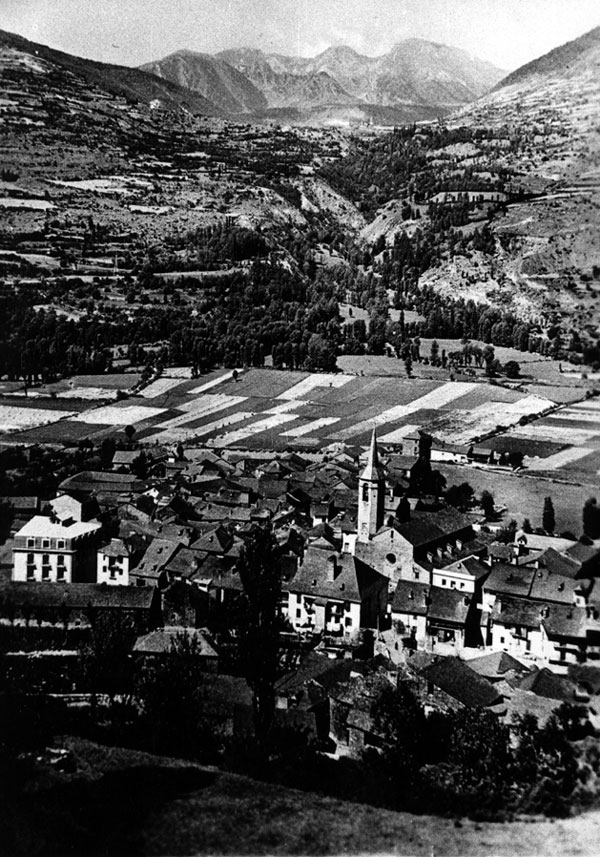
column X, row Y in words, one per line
column 397, row 166
column 275, row 305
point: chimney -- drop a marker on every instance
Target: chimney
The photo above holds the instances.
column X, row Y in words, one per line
column 440, row 553
column 459, row 545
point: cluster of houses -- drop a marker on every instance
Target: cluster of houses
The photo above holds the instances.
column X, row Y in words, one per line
column 372, row 560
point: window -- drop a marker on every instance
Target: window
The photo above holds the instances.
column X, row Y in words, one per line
column 443, row 581
column 348, row 622
column 60, row 544
column 365, row 493
column 30, row 572
column 391, row 558
column 416, row 575
column 30, row 543
column 298, row 613
column 452, row 584
column 45, row 543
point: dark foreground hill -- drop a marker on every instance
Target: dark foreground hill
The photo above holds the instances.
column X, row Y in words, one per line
column 114, row 801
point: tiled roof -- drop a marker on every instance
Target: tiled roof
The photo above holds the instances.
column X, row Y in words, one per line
column 351, row 578
column 185, row 562
column 565, row 621
column 458, row 680
column 495, row 664
column 547, row 586
column 448, row 605
column 41, row 527
column 77, row 595
column 546, row 683
column 157, row 555
column 424, row 528
column 411, row 597
column 518, row 611
column 162, row 641
column 509, row 579
column 560, row 563
column 105, row 483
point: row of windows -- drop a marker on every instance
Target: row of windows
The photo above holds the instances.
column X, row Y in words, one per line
column 60, row 560
column 60, row 543
column 60, row 572
column 347, row 620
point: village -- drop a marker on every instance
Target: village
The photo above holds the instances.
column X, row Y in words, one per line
column 382, row 579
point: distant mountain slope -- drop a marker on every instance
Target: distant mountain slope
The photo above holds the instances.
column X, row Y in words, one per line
column 284, row 88
column 414, row 72
column 131, row 83
column 572, row 58
column 548, row 248
column 212, row 77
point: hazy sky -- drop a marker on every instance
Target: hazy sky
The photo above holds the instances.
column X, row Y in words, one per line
column 505, row 32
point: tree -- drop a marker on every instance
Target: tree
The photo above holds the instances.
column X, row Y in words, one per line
column 480, row 749
column 7, row 514
column 107, row 451
column 548, row 517
column 460, row 496
column 259, row 624
column 487, row 504
column 527, row 527
column 171, row 691
column 129, row 431
column 400, row 723
column 591, row 519
column 512, row 369
column 105, row 658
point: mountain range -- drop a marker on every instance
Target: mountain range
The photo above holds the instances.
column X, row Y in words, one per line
column 415, row 79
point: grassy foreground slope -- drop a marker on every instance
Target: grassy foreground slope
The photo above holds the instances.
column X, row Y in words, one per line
column 124, row 802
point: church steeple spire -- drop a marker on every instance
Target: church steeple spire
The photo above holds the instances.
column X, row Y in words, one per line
column 373, row 470
column 371, row 494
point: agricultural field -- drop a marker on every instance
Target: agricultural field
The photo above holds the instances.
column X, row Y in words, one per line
column 571, row 436
column 260, row 408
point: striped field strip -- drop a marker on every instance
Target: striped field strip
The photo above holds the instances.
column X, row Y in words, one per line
column 435, row 399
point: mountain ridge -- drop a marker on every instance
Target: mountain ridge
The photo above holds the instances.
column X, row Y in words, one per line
column 414, row 73
column 563, row 58
column 216, row 80
column 125, row 81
